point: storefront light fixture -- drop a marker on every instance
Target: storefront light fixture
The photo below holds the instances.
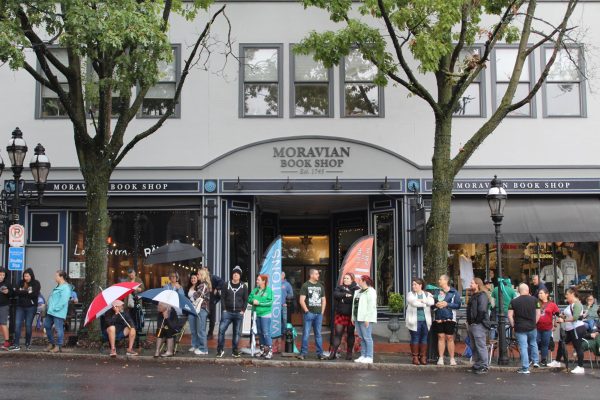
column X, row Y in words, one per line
column 496, row 198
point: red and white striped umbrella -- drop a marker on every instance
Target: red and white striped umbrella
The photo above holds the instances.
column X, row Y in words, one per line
column 103, row 302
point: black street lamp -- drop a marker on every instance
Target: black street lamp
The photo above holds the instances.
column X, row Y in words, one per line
column 14, row 196
column 496, row 198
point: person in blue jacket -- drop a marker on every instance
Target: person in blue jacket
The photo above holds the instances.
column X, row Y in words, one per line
column 447, row 301
column 58, row 305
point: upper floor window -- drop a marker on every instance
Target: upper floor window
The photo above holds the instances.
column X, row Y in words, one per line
column 361, row 97
column 472, row 101
column 563, row 91
column 260, row 81
column 49, row 105
column 160, row 96
column 503, row 62
column 311, row 87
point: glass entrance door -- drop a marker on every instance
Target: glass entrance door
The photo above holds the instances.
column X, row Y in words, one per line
column 300, row 254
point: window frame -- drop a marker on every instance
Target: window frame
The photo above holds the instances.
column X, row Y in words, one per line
column 581, row 82
column 481, row 81
column 531, row 82
column 242, row 82
column 38, row 90
column 293, row 82
column 380, row 94
column 177, row 112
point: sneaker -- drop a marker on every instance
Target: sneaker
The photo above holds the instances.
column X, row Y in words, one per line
column 49, row 348
column 5, row 346
column 220, row 353
column 544, row 363
column 360, row 359
column 301, row 357
column 481, row 371
column 452, row 361
column 236, row 354
column 556, row 364
column 28, row 347
column 131, row 353
column 268, row 354
column 523, row 371
column 367, row 360
column 113, row 353
column 192, row 349
column 56, row 349
column 440, row 361
column 14, row 348
column 322, row 357
column 536, row 365
column 199, row 352
column 578, row 371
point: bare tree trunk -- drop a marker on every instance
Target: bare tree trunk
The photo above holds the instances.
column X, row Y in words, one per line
column 436, row 246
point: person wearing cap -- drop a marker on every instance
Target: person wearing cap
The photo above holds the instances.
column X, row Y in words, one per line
column 234, row 296
column 119, row 325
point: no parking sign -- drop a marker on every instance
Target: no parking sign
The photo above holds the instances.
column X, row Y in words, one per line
column 16, row 235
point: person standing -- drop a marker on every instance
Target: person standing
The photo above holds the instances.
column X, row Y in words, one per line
column 523, row 315
column 130, row 303
column 536, row 285
column 58, row 304
column 5, row 295
column 418, row 320
column 27, row 296
column 174, row 283
column 545, row 324
column 287, row 300
column 261, row 299
column 234, row 297
column 343, row 296
column 447, row 302
column 364, row 315
column 193, row 321
column 508, row 293
column 575, row 328
column 312, row 302
column 478, row 323
column 201, row 300
column 216, row 284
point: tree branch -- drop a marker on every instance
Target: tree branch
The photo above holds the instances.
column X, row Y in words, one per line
column 462, row 37
column 171, row 107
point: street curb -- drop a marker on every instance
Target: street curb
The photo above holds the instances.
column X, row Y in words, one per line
column 249, row 362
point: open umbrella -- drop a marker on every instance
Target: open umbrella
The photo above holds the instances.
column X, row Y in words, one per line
column 103, row 301
column 170, row 297
column 172, row 252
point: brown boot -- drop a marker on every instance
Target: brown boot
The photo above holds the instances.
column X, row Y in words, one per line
column 423, row 353
column 414, row 349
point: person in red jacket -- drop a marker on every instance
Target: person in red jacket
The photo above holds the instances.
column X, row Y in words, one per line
column 545, row 324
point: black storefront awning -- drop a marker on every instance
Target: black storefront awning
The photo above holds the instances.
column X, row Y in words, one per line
column 527, row 220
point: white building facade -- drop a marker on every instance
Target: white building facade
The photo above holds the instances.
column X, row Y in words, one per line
column 282, row 146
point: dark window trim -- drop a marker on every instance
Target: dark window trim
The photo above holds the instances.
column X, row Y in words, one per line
column 531, row 61
column 242, row 82
column 582, row 84
column 331, row 111
column 481, row 81
column 177, row 112
column 380, row 94
column 38, row 92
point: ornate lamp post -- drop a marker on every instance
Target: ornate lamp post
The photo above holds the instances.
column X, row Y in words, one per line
column 496, row 198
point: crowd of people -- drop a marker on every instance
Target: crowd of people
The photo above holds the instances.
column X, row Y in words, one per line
column 531, row 314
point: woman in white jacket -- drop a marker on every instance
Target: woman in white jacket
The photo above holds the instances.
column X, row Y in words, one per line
column 418, row 320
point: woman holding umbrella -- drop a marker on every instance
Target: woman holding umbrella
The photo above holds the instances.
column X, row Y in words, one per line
column 168, row 326
column 201, row 300
column 261, row 299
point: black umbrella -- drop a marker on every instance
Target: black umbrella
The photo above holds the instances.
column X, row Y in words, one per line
column 172, row 252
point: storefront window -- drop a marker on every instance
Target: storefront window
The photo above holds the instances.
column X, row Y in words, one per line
column 146, row 229
column 576, row 264
column 384, row 256
column 240, row 242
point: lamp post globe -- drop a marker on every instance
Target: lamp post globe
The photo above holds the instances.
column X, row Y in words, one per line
column 40, row 168
column 17, row 149
column 496, row 198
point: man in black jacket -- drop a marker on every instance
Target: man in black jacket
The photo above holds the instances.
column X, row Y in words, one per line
column 234, row 296
column 217, row 284
column 479, row 323
column 5, row 294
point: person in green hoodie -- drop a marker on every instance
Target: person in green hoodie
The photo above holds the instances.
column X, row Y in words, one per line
column 58, row 304
column 508, row 294
column 261, row 299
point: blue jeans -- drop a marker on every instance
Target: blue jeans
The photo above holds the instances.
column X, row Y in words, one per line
column 59, row 325
column 202, row 341
column 283, row 319
column 315, row 321
column 263, row 328
column 364, row 332
column 27, row 314
column 420, row 335
column 194, row 330
column 528, row 345
column 543, row 338
column 226, row 319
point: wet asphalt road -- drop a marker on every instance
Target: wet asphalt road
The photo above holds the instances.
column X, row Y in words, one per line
column 119, row 379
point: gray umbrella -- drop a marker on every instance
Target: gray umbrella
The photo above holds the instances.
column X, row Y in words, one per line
column 172, row 252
